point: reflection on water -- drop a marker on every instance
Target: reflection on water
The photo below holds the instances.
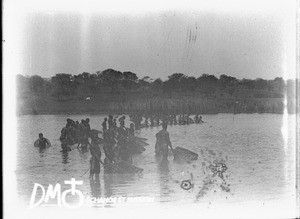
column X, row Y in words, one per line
column 163, row 167
column 164, row 176
column 95, row 187
column 252, row 147
column 108, row 184
column 65, row 157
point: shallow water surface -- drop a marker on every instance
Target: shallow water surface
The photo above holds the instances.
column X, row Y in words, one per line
column 260, row 162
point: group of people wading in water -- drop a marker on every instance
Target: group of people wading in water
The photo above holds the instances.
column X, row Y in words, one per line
column 119, row 142
column 152, row 120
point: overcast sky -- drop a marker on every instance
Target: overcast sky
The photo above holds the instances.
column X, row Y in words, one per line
column 242, row 43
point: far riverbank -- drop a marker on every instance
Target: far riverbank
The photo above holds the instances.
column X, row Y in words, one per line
column 45, row 105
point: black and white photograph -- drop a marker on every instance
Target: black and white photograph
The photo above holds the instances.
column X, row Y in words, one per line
column 181, row 109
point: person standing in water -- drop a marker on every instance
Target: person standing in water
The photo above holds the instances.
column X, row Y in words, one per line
column 42, row 142
column 115, row 123
column 122, row 139
column 95, row 159
column 122, row 121
column 88, row 127
column 110, row 122
column 163, row 142
column 104, row 125
column 109, row 138
column 83, row 135
column 131, row 130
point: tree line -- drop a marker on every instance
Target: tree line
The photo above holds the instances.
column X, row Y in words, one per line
column 113, row 82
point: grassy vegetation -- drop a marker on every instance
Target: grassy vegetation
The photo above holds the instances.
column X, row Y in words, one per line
column 44, row 104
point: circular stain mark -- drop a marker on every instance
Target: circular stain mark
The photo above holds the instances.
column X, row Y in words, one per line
column 186, row 184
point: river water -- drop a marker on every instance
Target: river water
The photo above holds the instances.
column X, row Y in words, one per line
column 258, row 153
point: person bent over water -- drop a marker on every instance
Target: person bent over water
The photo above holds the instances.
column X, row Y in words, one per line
column 42, row 142
column 162, row 142
column 95, row 159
